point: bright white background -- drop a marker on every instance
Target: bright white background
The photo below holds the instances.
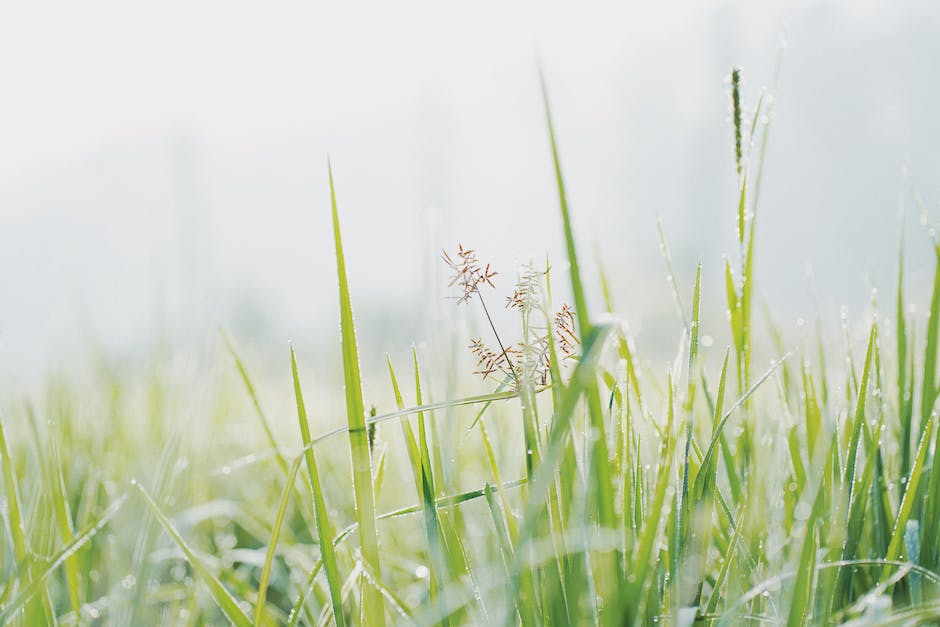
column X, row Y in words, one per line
column 163, row 165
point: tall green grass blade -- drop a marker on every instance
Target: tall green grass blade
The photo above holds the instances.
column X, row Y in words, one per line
column 358, row 438
column 14, row 511
column 905, row 413
column 910, row 494
column 574, row 270
column 411, row 444
column 929, row 381
column 804, row 586
column 812, row 413
column 427, row 461
column 735, row 313
column 64, row 520
column 715, row 598
column 855, row 528
column 324, row 527
column 642, row 567
column 600, row 467
column 747, row 289
column 424, row 484
column 859, row 422
column 505, row 551
column 930, row 516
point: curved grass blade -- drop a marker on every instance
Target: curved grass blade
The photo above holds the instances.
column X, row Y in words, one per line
column 222, row 597
column 253, row 395
column 272, row 543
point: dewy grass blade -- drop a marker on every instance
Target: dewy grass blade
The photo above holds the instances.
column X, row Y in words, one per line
column 905, row 403
column 929, row 381
column 930, row 515
column 857, row 508
column 505, row 546
column 147, row 534
column 49, row 566
column 324, row 527
column 64, row 519
column 272, row 543
column 670, row 273
column 804, row 588
column 642, row 568
column 684, row 510
column 910, row 494
column 715, row 598
column 424, row 485
column 859, row 422
column 358, row 438
column 14, row 515
column 600, row 465
column 574, row 270
column 222, row 597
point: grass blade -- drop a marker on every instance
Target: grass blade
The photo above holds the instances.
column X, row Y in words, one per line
column 600, row 483
column 324, row 527
column 253, row 395
column 15, row 517
column 929, row 381
column 17, row 603
column 222, row 597
column 356, row 419
column 910, row 494
column 272, row 543
column 574, row 270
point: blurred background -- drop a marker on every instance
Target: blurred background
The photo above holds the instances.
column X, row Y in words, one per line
column 163, row 166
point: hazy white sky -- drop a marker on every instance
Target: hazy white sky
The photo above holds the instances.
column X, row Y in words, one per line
column 161, row 159
column 77, row 75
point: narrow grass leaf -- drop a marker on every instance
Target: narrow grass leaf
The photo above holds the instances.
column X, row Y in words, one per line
column 222, row 597
column 324, row 527
column 358, row 438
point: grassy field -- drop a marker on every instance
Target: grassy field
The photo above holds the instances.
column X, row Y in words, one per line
column 582, row 488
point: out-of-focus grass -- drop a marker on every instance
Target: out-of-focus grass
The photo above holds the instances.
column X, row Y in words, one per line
column 614, row 494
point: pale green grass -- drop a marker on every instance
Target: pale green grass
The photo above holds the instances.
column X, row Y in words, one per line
column 716, row 492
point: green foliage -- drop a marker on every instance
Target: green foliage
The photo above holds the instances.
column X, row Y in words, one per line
column 609, row 492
